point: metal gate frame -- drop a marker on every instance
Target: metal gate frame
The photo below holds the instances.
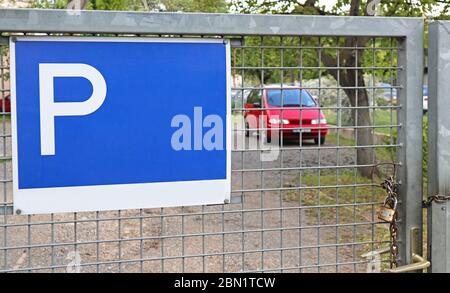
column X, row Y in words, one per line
column 438, row 144
column 408, row 30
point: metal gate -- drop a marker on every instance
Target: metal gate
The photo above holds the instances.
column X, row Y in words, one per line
column 298, row 205
column 438, row 180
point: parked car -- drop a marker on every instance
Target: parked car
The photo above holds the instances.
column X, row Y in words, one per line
column 388, row 92
column 291, row 110
column 425, row 98
column 7, row 104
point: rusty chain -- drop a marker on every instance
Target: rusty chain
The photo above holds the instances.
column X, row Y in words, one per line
column 391, row 187
column 436, row 198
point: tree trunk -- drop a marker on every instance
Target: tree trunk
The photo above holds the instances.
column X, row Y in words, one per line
column 358, row 97
column 352, row 80
column 77, row 4
column 361, row 119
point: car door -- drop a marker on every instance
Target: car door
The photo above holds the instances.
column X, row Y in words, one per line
column 253, row 108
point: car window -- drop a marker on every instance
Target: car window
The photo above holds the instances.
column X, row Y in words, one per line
column 250, row 98
column 254, row 97
column 291, row 97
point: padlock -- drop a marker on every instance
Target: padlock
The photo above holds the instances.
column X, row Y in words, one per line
column 386, row 214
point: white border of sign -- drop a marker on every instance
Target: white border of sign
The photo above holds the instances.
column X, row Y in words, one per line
column 119, row 196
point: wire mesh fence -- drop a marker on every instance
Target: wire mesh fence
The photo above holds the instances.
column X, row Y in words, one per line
column 304, row 193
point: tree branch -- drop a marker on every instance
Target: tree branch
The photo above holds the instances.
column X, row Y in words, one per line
column 354, row 7
column 330, row 61
column 312, row 4
column 77, row 4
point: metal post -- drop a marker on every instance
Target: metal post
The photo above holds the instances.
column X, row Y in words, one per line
column 410, row 57
column 439, row 145
column 439, row 244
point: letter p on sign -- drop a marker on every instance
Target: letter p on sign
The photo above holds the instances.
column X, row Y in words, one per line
column 49, row 109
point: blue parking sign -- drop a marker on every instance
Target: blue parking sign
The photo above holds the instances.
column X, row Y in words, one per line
column 119, row 123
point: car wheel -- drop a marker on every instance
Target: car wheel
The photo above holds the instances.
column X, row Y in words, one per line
column 322, row 140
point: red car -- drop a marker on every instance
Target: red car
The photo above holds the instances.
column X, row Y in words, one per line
column 291, row 110
column 7, row 104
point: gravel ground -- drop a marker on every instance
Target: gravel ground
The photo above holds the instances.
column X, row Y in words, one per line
column 216, row 238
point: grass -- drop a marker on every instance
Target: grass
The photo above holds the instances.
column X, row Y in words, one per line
column 382, row 117
column 344, row 206
column 6, row 116
column 383, row 154
column 352, row 201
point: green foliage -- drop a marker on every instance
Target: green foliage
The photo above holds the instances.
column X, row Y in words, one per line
column 196, row 5
column 424, row 146
column 55, row 4
column 142, row 5
column 110, row 4
column 435, row 8
column 382, row 102
column 252, row 57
